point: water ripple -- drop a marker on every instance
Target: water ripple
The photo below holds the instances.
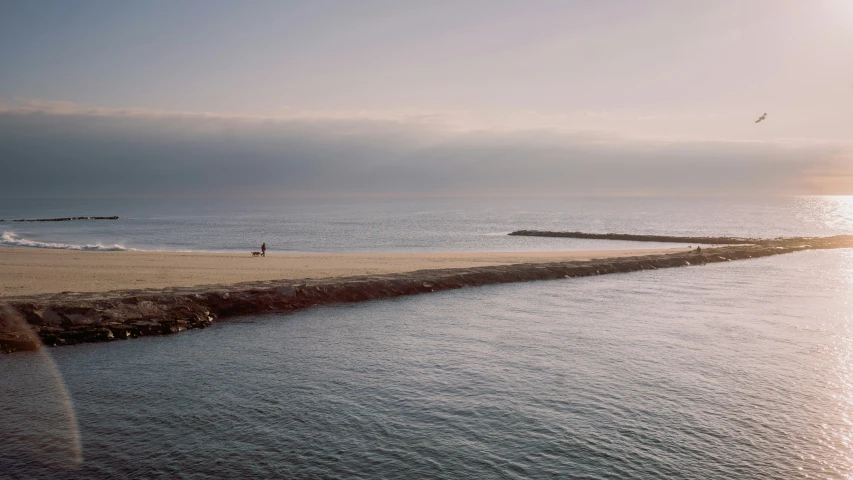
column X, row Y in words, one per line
column 739, row 370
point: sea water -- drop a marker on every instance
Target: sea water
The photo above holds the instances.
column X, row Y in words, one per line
column 404, row 224
column 735, row 370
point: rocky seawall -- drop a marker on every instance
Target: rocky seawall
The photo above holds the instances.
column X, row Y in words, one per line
column 60, row 219
column 645, row 238
column 72, row 318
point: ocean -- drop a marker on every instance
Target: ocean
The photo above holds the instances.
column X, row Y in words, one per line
column 734, row 370
column 405, row 225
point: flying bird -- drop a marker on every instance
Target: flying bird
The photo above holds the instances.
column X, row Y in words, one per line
column 761, row 118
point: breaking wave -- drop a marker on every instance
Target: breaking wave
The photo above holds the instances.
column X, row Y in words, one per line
column 10, row 239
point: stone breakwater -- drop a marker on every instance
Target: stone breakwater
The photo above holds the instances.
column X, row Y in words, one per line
column 60, row 219
column 71, row 318
column 645, row 238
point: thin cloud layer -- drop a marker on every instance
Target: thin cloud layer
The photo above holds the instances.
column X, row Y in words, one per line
column 50, row 149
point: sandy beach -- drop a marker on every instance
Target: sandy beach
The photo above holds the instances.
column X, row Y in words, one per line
column 29, row 271
column 69, row 297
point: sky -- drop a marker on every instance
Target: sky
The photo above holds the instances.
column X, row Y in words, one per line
column 610, row 97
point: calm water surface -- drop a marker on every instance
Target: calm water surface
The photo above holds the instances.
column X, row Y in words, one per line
column 737, row 370
column 404, row 225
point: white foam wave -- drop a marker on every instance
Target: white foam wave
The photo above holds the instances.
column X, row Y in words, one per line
column 10, row 239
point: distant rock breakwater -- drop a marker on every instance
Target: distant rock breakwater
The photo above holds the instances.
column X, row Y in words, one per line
column 71, row 318
column 60, row 219
column 645, row 238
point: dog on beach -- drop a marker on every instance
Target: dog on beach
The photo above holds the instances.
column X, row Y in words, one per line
column 256, row 254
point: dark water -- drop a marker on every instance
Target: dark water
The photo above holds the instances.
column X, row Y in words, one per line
column 737, row 370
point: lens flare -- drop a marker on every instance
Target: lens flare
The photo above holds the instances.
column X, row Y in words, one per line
column 32, row 391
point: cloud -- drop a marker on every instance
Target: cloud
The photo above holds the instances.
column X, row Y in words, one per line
column 55, row 149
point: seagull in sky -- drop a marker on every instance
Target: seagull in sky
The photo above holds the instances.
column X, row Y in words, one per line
column 761, row 118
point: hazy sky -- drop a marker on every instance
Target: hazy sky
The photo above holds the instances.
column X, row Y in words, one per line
column 433, row 97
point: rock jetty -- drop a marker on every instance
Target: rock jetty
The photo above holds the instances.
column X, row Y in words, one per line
column 70, row 318
column 61, row 219
column 644, row 238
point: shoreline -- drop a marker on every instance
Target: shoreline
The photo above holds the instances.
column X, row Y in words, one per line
column 36, row 271
column 55, row 319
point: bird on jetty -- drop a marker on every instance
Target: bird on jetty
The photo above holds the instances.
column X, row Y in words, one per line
column 761, row 118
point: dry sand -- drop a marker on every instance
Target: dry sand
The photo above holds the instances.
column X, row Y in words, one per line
column 28, row 271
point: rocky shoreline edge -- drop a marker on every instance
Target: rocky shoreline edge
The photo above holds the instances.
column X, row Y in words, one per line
column 646, row 238
column 61, row 219
column 70, row 318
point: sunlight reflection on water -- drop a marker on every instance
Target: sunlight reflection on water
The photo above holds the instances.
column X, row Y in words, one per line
column 835, row 212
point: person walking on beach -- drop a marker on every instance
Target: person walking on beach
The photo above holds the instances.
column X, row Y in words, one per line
column 264, row 249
